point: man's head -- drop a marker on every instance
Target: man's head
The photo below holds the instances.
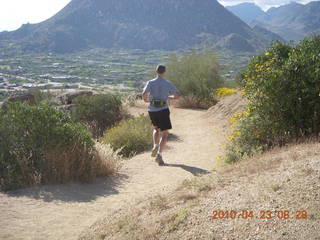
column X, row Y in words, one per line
column 161, row 70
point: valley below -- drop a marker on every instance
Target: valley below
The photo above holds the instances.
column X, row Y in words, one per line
column 123, row 71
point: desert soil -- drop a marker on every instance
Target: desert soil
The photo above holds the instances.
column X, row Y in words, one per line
column 64, row 211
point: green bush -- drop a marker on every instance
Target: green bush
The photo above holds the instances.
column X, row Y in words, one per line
column 43, row 96
column 282, row 86
column 132, row 136
column 40, row 145
column 98, row 112
column 195, row 74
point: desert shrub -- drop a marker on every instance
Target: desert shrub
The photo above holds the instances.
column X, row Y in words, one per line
column 98, row 112
column 131, row 99
column 131, row 136
column 108, row 161
column 40, row 145
column 282, row 86
column 191, row 101
column 195, row 74
column 224, row 92
column 43, row 96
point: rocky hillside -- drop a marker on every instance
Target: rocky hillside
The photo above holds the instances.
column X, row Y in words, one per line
column 152, row 24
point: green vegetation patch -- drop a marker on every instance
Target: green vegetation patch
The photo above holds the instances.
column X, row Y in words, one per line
column 98, row 112
column 196, row 75
column 132, row 136
column 41, row 145
column 283, row 88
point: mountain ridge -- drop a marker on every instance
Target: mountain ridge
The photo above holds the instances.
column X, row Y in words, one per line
column 293, row 21
column 157, row 24
column 246, row 11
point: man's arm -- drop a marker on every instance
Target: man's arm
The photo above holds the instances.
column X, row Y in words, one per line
column 173, row 92
column 145, row 93
column 145, row 97
column 175, row 96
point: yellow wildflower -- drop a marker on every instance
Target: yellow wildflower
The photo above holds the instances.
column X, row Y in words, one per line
column 223, row 92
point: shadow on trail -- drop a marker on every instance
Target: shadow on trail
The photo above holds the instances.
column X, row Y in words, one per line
column 194, row 170
column 73, row 192
column 174, row 137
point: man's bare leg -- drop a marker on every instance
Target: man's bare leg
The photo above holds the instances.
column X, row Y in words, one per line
column 156, row 136
column 156, row 140
column 163, row 140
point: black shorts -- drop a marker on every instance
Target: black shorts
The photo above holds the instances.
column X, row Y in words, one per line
column 161, row 119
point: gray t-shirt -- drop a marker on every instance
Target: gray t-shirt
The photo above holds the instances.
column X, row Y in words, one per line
column 159, row 89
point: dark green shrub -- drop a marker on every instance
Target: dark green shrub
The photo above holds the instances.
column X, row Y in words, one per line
column 132, row 136
column 40, row 145
column 98, row 112
column 283, row 87
column 195, row 74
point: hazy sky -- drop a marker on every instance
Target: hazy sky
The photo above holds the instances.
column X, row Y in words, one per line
column 264, row 4
column 13, row 13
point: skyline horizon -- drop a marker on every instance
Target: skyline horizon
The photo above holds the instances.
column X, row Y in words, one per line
column 262, row 3
column 10, row 22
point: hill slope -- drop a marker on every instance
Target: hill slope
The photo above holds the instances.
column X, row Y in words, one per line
column 293, row 21
column 275, row 196
column 152, row 24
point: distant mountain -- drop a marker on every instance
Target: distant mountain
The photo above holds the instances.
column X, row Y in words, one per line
column 235, row 43
column 142, row 24
column 247, row 12
column 270, row 36
column 293, row 21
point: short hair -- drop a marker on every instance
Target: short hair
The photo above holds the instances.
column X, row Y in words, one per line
column 161, row 69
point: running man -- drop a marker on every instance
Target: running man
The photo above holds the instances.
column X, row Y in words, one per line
column 157, row 92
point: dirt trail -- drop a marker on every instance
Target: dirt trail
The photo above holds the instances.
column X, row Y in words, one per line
column 64, row 211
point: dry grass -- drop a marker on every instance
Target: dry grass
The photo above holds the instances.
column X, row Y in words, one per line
column 108, row 161
column 282, row 178
column 128, row 227
column 251, row 166
column 131, row 100
column 193, row 103
column 126, row 224
column 65, row 166
column 159, row 202
column 186, row 196
column 72, row 165
column 172, row 221
column 197, row 185
column 135, row 227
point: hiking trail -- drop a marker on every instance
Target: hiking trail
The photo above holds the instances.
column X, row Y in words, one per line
column 64, row 211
